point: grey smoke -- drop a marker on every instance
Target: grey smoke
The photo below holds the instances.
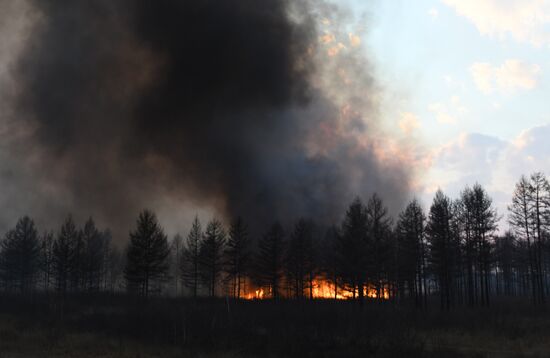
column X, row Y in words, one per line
column 231, row 104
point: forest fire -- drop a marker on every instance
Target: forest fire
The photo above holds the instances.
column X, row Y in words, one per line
column 324, row 289
column 256, row 295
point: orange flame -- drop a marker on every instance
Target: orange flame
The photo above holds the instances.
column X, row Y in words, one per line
column 324, row 289
column 256, row 295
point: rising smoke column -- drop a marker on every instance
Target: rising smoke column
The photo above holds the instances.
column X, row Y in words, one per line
column 256, row 108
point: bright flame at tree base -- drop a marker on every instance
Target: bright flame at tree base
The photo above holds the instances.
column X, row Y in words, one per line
column 324, row 289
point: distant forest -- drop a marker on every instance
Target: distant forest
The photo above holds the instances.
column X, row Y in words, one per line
column 452, row 252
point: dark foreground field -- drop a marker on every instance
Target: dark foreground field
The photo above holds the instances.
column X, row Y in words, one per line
column 118, row 326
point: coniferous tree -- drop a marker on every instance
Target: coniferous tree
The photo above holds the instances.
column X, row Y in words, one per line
column 77, row 272
column 505, row 252
column 211, row 255
column 237, row 255
column 521, row 220
column 46, row 259
column 412, row 251
column 270, row 260
column 146, row 255
column 328, row 258
column 353, row 249
column 190, row 260
column 92, row 256
column 114, row 269
column 440, row 241
column 20, row 256
column 539, row 198
column 379, row 233
column 485, row 225
column 64, row 255
column 465, row 215
column 107, row 249
column 176, row 247
column 300, row 262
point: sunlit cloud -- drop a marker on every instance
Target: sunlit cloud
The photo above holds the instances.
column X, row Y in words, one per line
column 335, row 50
column 525, row 21
column 441, row 113
column 493, row 162
column 326, row 38
column 448, row 113
column 354, row 40
column 409, row 123
column 511, row 76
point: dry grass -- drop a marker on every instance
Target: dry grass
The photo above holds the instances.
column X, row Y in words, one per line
column 121, row 327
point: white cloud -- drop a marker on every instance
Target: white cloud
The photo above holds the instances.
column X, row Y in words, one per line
column 524, row 20
column 494, row 163
column 409, row 123
column 441, row 113
column 511, row 76
column 448, row 113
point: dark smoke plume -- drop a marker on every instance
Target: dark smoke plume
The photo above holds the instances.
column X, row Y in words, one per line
column 245, row 106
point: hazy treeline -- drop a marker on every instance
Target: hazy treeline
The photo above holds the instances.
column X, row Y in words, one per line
column 452, row 251
column 73, row 259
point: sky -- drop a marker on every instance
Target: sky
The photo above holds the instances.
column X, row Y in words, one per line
column 466, row 81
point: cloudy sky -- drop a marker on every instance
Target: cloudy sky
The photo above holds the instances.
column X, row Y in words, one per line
column 467, row 81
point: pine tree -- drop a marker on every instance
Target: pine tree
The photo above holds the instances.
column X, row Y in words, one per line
column 211, row 255
column 353, row 249
column 176, row 247
column 46, row 259
column 521, row 219
column 539, row 198
column 270, row 260
column 300, row 259
column 20, row 256
column 190, row 260
column 441, row 248
column 485, row 219
column 379, row 233
column 412, row 251
column 237, row 255
column 505, row 252
column 146, row 255
column 92, row 256
column 64, row 255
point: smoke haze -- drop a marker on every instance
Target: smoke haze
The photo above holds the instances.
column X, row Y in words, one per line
column 264, row 109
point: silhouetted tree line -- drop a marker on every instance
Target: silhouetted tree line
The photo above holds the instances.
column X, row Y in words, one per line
column 452, row 251
column 72, row 260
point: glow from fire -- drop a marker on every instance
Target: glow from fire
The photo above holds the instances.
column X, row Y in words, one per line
column 256, row 295
column 324, row 289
